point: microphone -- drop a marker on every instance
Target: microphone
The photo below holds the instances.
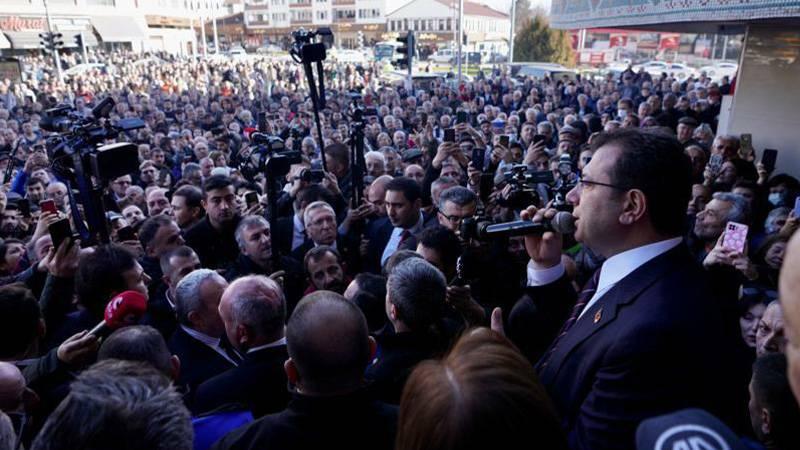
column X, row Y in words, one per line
column 126, row 308
column 563, row 222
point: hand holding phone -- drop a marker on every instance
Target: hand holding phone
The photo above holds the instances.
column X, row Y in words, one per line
column 769, row 158
column 735, row 237
column 251, row 199
column 48, row 206
column 449, row 135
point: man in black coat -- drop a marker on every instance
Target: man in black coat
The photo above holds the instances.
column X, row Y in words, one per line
column 253, row 310
column 213, row 237
column 415, row 306
column 646, row 335
column 199, row 341
column 330, row 407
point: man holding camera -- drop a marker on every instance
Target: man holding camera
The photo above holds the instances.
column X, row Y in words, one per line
column 646, row 335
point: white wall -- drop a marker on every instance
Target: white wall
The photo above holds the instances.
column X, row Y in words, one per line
column 767, row 96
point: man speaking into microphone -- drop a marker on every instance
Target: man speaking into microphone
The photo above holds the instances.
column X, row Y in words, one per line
column 645, row 336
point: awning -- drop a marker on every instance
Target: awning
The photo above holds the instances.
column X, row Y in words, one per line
column 120, row 28
column 4, row 43
column 23, row 39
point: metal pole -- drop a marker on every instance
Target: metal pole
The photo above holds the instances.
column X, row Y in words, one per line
column 203, row 36
column 83, row 49
column 724, row 47
column 460, row 36
column 56, row 59
column 511, row 32
column 214, row 26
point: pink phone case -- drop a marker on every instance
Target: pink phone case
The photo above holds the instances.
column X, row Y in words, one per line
column 735, row 236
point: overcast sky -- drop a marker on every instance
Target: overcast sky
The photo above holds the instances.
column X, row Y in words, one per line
column 503, row 5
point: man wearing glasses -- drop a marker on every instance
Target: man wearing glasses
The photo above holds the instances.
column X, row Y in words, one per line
column 646, row 335
column 456, row 204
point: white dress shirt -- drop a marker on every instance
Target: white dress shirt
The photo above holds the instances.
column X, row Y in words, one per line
column 212, row 343
column 614, row 269
column 394, row 240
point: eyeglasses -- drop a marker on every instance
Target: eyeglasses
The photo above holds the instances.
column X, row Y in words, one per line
column 583, row 182
column 454, row 219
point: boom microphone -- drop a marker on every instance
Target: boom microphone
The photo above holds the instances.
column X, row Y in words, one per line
column 126, row 308
column 563, row 222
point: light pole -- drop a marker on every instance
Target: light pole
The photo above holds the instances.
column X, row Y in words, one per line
column 460, row 35
column 511, row 32
column 56, row 59
column 214, row 26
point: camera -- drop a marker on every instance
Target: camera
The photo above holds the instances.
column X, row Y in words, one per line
column 270, row 157
column 473, row 228
column 312, row 175
column 304, row 50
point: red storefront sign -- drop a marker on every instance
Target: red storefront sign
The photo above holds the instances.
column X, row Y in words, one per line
column 16, row 23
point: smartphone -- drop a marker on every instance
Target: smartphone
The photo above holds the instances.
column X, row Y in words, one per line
column 486, row 186
column 262, row 122
column 59, row 230
column 538, row 138
column 769, row 158
column 24, row 206
column 735, row 236
column 251, row 198
column 715, row 164
column 48, row 206
column 126, row 234
column 504, row 140
column 746, row 141
column 797, row 207
column 461, row 117
column 450, row 135
column 478, row 157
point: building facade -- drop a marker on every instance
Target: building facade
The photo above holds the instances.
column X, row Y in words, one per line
column 138, row 25
column 435, row 23
column 272, row 21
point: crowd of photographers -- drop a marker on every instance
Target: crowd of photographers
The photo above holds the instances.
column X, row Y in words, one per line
column 374, row 308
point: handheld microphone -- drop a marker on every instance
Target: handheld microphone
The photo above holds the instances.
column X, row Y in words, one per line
column 563, row 222
column 126, row 308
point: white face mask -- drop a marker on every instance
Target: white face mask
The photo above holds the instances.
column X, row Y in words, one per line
column 622, row 113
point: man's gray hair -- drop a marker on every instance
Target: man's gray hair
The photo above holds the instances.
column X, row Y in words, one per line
column 740, row 208
column 459, row 195
column 319, row 204
column 417, row 289
column 545, row 126
column 187, row 294
column 376, row 155
column 244, row 224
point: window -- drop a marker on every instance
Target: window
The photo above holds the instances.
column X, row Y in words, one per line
column 101, row 2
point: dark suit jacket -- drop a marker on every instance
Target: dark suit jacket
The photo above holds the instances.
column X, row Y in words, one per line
column 198, row 361
column 259, row 383
column 379, row 235
column 398, row 354
column 656, row 342
column 352, row 422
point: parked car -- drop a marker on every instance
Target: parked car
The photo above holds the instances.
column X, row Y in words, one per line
column 657, row 68
column 237, row 52
column 467, row 58
column 442, row 56
column 719, row 70
column 522, row 71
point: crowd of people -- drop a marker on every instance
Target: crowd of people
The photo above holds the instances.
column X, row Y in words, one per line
column 371, row 307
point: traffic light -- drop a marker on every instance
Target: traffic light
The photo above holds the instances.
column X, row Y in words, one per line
column 79, row 40
column 51, row 41
column 407, row 51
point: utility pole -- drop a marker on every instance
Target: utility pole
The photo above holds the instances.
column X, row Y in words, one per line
column 214, row 26
column 511, row 32
column 460, row 36
column 56, row 59
column 83, row 49
column 203, row 35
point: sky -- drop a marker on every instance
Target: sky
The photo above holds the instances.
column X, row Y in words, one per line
column 499, row 5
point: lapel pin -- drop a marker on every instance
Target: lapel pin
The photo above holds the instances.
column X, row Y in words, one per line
column 598, row 315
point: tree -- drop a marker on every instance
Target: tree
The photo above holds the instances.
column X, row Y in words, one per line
column 538, row 42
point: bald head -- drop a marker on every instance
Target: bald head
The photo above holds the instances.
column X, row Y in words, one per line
column 328, row 358
column 253, row 309
column 12, row 387
column 790, row 301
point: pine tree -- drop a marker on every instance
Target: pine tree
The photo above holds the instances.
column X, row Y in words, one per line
column 536, row 41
